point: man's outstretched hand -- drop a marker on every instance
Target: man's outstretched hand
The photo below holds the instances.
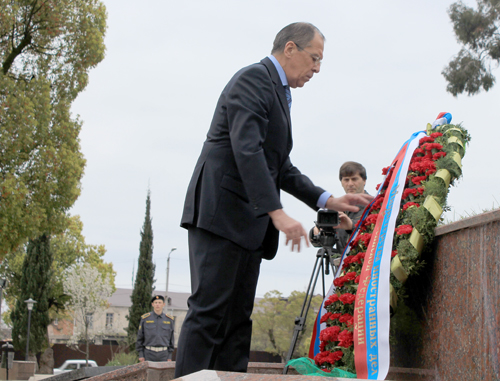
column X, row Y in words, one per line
column 348, row 202
column 293, row 229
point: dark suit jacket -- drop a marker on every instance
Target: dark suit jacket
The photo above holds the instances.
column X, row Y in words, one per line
column 245, row 162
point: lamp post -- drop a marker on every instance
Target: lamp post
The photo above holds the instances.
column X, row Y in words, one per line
column 30, row 302
column 168, row 269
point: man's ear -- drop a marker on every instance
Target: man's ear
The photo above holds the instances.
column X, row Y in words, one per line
column 290, row 48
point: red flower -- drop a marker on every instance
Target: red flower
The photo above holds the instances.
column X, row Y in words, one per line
column 407, row 192
column 345, row 338
column 321, row 357
column 328, row 357
column 403, row 229
column 335, row 356
column 365, row 238
column 357, row 280
column 329, row 316
column 330, row 333
column 347, row 261
column 359, row 257
column 418, row 151
column 418, row 179
column 431, row 146
column 371, row 218
column 412, row 191
column 394, row 253
column 377, row 203
column 347, row 298
column 325, row 317
column 334, row 316
column 332, row 299
column 345, row 318
column 353, row 259
column 385, row 170
column 438, row 155
column 422, row 166
column 322, row 345
column 339, row 282
column 408, row 204
column 426, row 139
column 350, row 276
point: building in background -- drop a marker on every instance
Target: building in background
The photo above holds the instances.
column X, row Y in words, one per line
column 112, row 323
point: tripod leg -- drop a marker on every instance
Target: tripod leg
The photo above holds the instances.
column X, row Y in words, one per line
column 300, row 320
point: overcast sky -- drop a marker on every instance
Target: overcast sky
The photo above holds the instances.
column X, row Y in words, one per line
column 149, row 104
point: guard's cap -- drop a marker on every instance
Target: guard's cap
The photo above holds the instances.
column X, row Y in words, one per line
column 158, row 297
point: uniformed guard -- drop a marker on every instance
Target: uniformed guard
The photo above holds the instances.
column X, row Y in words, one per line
column 155, row 338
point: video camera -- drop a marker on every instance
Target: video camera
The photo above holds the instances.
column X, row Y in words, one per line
column 327, row 236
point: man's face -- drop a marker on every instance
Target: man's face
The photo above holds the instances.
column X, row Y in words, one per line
column 353, row 184
column 158, row 306
column 302, row 65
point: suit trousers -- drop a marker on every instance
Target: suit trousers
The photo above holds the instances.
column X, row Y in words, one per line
column 217, row 331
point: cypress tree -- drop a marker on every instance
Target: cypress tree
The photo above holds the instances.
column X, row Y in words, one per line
column 143, row 286
column 36, row 281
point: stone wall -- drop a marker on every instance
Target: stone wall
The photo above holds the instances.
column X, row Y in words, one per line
column 456, row 301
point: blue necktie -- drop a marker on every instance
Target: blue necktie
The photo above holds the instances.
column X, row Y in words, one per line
column 288, row 96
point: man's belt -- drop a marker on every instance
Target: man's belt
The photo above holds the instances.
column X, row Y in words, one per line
column 157, row 349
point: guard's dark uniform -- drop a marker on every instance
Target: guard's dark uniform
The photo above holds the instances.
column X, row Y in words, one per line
column 155, row 338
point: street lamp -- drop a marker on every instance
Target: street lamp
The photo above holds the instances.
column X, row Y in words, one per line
column 30, row 302
column 168, row 268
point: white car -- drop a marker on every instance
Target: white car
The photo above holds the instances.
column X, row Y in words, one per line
column 70, row 365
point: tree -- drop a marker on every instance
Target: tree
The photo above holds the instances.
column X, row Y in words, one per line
column 47, row 48
column 477, row 30
column 144, row 282
column 89, row 291
column 68, row 248
column 274, row 322
column 35, row 278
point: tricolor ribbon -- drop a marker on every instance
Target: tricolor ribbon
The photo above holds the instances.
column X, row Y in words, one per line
column 371, row 309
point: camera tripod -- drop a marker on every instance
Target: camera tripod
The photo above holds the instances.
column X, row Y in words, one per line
column 325, row 257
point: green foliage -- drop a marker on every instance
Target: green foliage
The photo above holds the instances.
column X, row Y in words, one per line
column 406, row 328
column 36, row 279
column 274, row 321
column 68, row 248
column 143, row 286
column 421, row 218
column 123, row 359
column 477, row 31
column 47, row 48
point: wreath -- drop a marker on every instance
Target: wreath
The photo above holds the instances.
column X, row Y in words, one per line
column 435, row 164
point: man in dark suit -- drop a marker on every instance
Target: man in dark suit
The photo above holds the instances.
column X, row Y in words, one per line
column 232, row 210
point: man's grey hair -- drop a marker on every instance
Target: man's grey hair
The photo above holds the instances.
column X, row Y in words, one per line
column 299, row 32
